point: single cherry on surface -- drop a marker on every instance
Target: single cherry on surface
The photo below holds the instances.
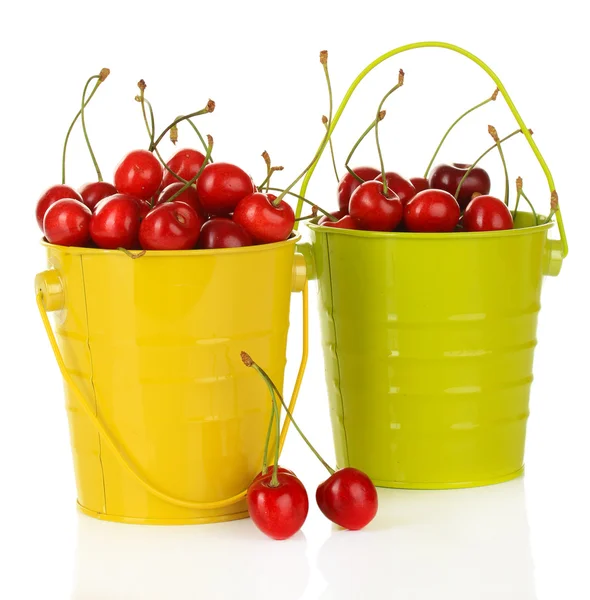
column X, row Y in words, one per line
column 170, row 226
column 67, row 223
column 51, row 196
column 420, row 183
column 185, row 163
column 373, row 210
column 448, row 177
column 399, row 185
column 93, row 193
column 139, row 174
column 279, row 511
column 348, row 184
column 432, row 211
column 348, row 498
column 188, row 196
column 346, row 222
column 115, row 222
column 264, row 221
column 487, row 213
column 221, row 186
column 221, row 232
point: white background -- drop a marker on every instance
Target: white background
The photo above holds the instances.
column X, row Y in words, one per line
column 259, row 60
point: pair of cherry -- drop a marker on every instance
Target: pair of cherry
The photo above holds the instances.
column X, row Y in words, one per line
column 277, row 499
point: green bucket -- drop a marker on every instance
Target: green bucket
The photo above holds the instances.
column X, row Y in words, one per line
column 429, row 340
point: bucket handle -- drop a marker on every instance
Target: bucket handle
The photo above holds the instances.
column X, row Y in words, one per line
column 554, row 198
column 50, row 297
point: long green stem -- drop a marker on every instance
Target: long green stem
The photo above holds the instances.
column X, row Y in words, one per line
column 531, row 206
column 517, row 131
column 356, row 145
column 518, row 195
column 328, row 121
column 196, row 130
column 312, row 204
column 490, row 99
column 327, row 126
column 399, row 84
column 197, row 175
column 267, row 441
column 247, row 360
column 208, row 109
column 492, row 131
column 83, row 121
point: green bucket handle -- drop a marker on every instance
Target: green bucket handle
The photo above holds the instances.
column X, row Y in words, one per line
column 563, row 250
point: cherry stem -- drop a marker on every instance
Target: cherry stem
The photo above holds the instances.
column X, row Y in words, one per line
column 492, row 131
column 266, row 181
column 267, row 441
column 353, row 150
column 314, row 214
column 490, row 99
column 130, row 254
column 247, row 360
column 327, row 126
column 531, row 206
column 399, row 84
column 150, row 129
column 83, row 121
column 196, row 130
column 198, row 174
column 208, row 109
column 517, row 131
column 324, row 142
column 144, row 101
column 312, row 204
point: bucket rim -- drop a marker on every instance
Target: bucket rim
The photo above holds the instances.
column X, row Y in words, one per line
column 174, row 253
column 451, row 235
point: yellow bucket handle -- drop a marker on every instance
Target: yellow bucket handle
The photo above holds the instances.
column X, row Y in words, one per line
column 500, row 86
column 118, row 451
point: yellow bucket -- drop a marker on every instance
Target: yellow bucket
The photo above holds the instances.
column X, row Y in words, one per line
column 166, row 424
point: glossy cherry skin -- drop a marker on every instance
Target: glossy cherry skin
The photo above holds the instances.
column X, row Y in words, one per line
column 67, row 223
column 447, row 178
column 401, row 186
column 280, row 511
column 348, row 184
column 185, row 163
column 51, row 196
column 189, row 196
column 93, row 193
column 139, row 174
column 144, row 208
column 170, row 226
column 432, row 211
column 346, row 222
column 264, row 221
column 486, row 213
column 420, row 183
column 374, row 211
column 269, row 472
column 221, row 232
column 115, row 222
column 221, row 186
column 348, row 498
column 336, row 213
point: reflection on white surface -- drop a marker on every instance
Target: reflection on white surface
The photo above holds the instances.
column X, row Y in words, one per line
column 435, row 545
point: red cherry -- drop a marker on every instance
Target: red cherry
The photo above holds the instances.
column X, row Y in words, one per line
column 115, row 222
column 373, row 210
column 447, row 178
column 269, row 472
column 67, row 222
column 336, row 213
column 93, row 193
column 221, row 232
column 264, row 221
column 139, row 174
column 346, row 222
column 486, row 213
column 170, row 226
column 420, row 183
column 185, row 163
column 144, row 208
column 52, row 195
column 399, row 185
column 221, row 186
column 432, row 211
column 348, row 498
column 280, row 511
column 348, row 184
column 189, row 196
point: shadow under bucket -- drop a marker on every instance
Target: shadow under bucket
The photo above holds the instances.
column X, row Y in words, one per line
column 428, row 343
